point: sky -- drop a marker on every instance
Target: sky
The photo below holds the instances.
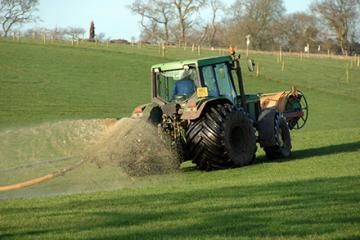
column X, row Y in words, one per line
column 111, row 17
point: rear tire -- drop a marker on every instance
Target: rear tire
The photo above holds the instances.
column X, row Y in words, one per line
column 223, row 137
column 282, row 147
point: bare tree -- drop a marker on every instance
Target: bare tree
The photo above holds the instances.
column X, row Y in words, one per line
column 185, row 9
column 14, row 12
column 151, row 32
column 204, row 31
column 296, row 30
column 62, row 33
column 338, row 15
column 216, row 7
column 257, row 18
column 75, row 32
column 35, row 32
column 199, row 35
column 100, row 36
column 154, row 13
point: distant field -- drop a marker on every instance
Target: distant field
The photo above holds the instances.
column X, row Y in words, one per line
column 313, row 195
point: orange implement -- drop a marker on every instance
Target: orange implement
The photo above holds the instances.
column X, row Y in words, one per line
column 277, row 100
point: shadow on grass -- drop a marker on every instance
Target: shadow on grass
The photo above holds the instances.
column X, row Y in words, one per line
column 302, row 154
column 320, row 208
column 326, row 150
column 315, row 152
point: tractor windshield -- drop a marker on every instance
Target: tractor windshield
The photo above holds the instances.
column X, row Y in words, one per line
column 176, row 85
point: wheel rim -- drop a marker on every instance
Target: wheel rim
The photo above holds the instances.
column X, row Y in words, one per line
column 305, row 109
column 301, row 105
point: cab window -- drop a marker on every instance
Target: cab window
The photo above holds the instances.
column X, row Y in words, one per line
column 209, row 80
column 175, row 83
column 225, row 85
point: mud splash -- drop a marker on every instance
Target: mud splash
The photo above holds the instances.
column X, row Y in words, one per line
column 136, row 147
column 114, row 152
column 48, row 141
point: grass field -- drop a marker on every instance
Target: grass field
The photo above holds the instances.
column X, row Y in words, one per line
column 313, row 195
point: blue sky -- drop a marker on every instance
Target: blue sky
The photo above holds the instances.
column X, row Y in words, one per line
column 111, row 17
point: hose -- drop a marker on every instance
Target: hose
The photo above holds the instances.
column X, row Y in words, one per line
column 41, row 179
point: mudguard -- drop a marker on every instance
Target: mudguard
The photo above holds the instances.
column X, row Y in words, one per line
column 149, row 112
column 193, row 115
column 266, row 127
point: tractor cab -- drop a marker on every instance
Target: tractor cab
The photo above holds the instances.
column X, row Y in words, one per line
column 182, row 81
column 176, row 85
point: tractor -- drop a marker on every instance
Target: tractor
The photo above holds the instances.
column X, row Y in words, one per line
column 202, row 106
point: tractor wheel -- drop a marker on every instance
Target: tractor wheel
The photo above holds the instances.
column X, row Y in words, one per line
column 223, row 137
column 282, row 147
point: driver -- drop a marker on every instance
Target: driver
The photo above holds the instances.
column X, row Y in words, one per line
column 185, row 86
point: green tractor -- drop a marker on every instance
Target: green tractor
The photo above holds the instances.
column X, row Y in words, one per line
column 201, row 104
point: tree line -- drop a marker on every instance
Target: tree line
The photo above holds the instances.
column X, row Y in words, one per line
column 327, row 25
column 265, row 24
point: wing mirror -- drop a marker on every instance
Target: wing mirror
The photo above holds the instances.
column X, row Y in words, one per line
column 251, row 65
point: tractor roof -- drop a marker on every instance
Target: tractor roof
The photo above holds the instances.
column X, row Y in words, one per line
column 198, row 62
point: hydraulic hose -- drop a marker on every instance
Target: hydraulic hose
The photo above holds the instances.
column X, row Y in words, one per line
column 41, row 179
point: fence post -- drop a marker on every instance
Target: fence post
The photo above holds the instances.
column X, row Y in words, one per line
column 44, row 38
column 163, row 50
column 283, row 65
column 199, row 50
column 257, row 70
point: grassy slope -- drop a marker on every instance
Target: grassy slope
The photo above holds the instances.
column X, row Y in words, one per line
column 315, row 195
column 49, row 83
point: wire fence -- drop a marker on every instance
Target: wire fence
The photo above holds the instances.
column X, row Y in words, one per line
column 197, row 49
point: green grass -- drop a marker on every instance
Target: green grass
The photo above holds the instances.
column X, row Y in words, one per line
column 41, row 83
column 313, row 195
